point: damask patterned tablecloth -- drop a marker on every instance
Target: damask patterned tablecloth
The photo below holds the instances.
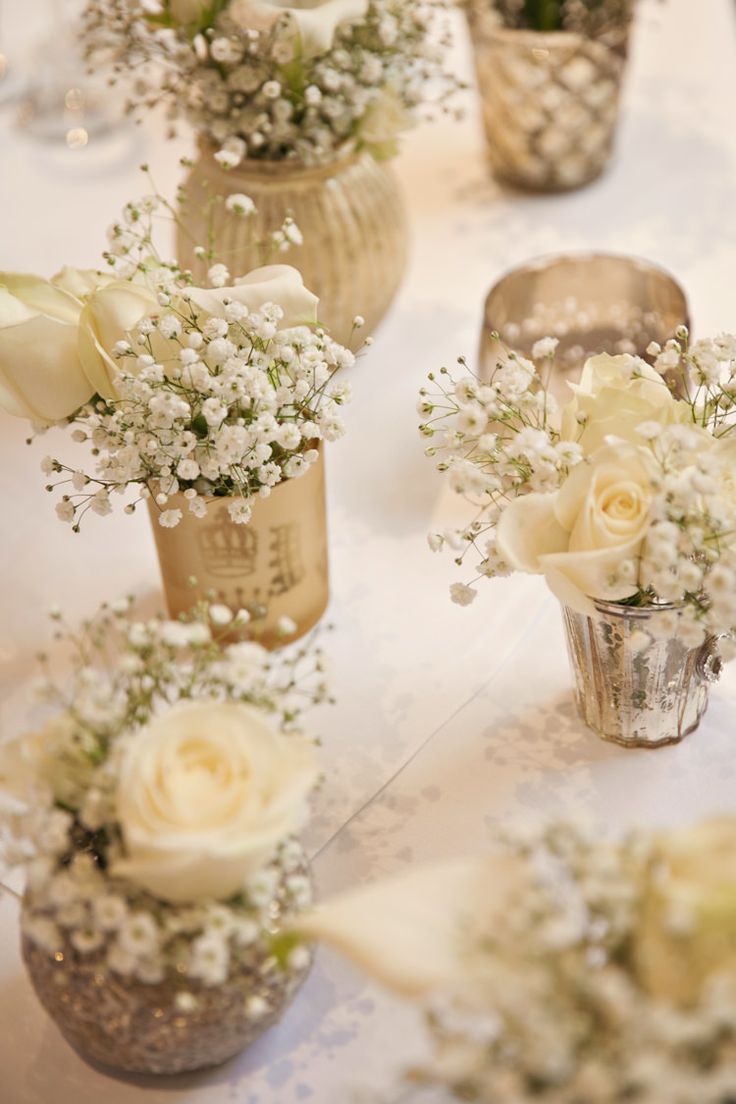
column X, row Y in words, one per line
column 448, row 721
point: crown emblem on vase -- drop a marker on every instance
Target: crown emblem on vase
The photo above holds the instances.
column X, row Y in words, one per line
column 228, row 550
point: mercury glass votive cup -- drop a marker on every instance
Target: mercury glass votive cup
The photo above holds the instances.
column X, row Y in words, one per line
column 632, row 695
column 591, row 302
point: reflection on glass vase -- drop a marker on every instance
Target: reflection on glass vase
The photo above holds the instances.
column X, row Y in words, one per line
column 351, row 215
column 550, row 101
column 275, row 566
column 633, row 693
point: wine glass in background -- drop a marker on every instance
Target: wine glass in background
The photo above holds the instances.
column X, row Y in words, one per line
column 12, row 83
column 63, row 102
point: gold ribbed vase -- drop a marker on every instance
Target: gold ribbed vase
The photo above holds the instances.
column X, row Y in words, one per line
column 351, row 215
column 275, row 566
column 550, row 101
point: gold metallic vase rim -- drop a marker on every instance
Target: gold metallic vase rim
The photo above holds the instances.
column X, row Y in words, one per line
column 535, row 39
column 270, row 169
column 546, row 261
column 317, row 445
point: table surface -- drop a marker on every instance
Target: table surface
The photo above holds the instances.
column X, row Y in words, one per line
column 449, row 721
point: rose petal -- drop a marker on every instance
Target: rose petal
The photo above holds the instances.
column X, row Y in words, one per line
column 80, row 282
column 280, row 284
column 40, row 296
column 414, row 933
column 528, row 529
column 590, row 572
column 41, row 376
column 316, row 26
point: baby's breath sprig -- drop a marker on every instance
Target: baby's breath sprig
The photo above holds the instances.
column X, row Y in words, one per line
column 124, row 667
column 632, row 480
column 256, row 88
column 123, row 689
column 494, row 439
column 207, row 391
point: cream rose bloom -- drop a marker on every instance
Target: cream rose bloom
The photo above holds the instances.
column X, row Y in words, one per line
column 688, row 931
column 81, row 282
column 420, row 932
column 57, row 337
column 314, row 21
column 205, row 795
column 57, row 757
column 108, row 316
column 615, row 395
column 41, row 374
column 580, row 535
column 281, row 284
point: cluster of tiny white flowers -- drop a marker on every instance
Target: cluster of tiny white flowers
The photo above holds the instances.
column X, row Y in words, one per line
column 71, row 901
column 495, row 440
column 560, row 1013
column 500, row 439
column 66, row 834
column 132, row 251
column 689, row 554
column 255, row 96
column 704, row 372
column 205, row 406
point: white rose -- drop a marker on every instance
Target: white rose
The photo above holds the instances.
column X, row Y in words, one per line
column 281, row 284
column 615, row 395
column 81, row 282
column 384, row 120
column 188, row 12
column 59, row 757
column 688, row 931
column 41, row 375
column 108, row 315
column 579, row 536
column 314, row 21
column 205, row 795
column 423, row 932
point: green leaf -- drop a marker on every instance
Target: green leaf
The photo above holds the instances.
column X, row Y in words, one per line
column 282, row 946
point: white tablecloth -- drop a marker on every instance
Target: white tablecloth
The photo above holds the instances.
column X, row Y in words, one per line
column 448, row 721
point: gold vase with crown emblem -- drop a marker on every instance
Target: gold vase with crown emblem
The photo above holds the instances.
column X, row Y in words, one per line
column 275, row 566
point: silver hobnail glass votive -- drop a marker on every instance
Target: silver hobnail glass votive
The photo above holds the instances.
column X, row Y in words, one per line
column 550, row 100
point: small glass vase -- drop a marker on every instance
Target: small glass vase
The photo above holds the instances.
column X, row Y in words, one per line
column 274, row 566
column 637, row 697
column 351, row 215
column 591, row 302
column 177, row 1025
column 550, row 101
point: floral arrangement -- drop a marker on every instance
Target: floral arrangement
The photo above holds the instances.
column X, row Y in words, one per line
column 180, row 390
column 156, row 810
column 565, row 968
column 625, row 495
column 588, row 17
column 262, row 79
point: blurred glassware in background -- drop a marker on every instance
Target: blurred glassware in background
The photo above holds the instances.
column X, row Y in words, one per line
column 591, row 302
column 550, row 99
column 12, row 82
column 62, row 101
